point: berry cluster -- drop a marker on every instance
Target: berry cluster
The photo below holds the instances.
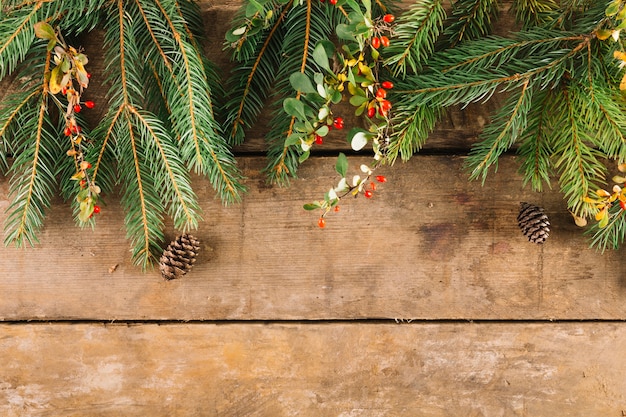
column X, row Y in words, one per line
column 332, row 198
column 69, row 79
column 355, row 71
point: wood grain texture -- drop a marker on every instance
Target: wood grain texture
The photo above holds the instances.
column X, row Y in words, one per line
column 429, row 245
column 426, row 370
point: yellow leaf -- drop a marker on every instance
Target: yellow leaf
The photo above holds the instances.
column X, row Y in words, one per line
column 619, row 55
column 621, row 167
column 603, row 193
column 601, row 215
column 55, row 80
column 622, row 84
column 619, row 179
column 590, row 200
column 603, row 34
column 603, row 222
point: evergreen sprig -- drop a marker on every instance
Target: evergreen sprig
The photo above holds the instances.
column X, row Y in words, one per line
column 527, row 65
column 160, row 123
column 564, row 111
column 416, row 33
column 271, row 40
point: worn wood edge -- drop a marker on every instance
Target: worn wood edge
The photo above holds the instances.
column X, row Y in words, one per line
column 430, row 370
column 429, row 245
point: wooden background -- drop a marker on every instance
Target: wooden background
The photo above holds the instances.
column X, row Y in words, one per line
column 424, row 301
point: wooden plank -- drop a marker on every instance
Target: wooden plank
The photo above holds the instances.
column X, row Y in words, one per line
column 426, row 370
column 429, row 245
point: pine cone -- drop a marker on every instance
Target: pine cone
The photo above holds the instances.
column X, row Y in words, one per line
column 179, row 256
column 533, row 222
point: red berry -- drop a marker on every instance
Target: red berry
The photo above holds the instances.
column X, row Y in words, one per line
column 90, row 104
column 381, row 178
column 77, row 108
column 338, row 123
column 67, row 131
column 83, row 182
column 96, row 209
column 333, row 2
column 321, row 222
column 319, row 140
column 389, row 18
column 622, row 204
column 384, row 41
column 373, row 186
column 336, row 209
column 387, row 85
column 88, row 75
column 381, row 93
column 368, row 193
column 384, row 108
column 371, row 112
column 375, row 43
column 88, row 165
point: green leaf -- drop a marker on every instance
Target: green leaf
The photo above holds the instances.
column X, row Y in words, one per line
column 342, row 164
column 43, row 30
column 300, row 82
column 311, row 206
column 323, row 131
column 613, row 8
column 320, row 56
column 293, row 139
column 304, row 156
column 345, row 32
column 356, row 101
column 294, row 107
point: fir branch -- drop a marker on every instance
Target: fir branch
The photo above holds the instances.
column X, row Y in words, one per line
column 171, row 178
column 283, row 161
column 500, row 134
column 202, row 146
column 411, row 129
column 33, row 171
column 613, row 234
column 73, row 16
column 307, row 25
column 16, row 37
column 463, row 78
column 132, row 144
column 534, row 150
column 142, row 203
column 13, row 112
column 578, row 161
column 610, row 122
column 531, row 13
column 416, row 32
column 252, row 81
column 470, row 19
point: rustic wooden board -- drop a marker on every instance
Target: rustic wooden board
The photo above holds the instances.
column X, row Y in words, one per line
column 426, row 370
column 429, row 245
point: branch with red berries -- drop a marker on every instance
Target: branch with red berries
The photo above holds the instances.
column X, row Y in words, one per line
column 345, row 188
column 69, row 79
column 350, row 70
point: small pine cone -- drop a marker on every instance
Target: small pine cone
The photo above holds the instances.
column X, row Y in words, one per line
column 179, row 256
column 533, row 222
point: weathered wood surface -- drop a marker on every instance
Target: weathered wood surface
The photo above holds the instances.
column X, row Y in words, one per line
column 429, row 245
column 279, row 370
